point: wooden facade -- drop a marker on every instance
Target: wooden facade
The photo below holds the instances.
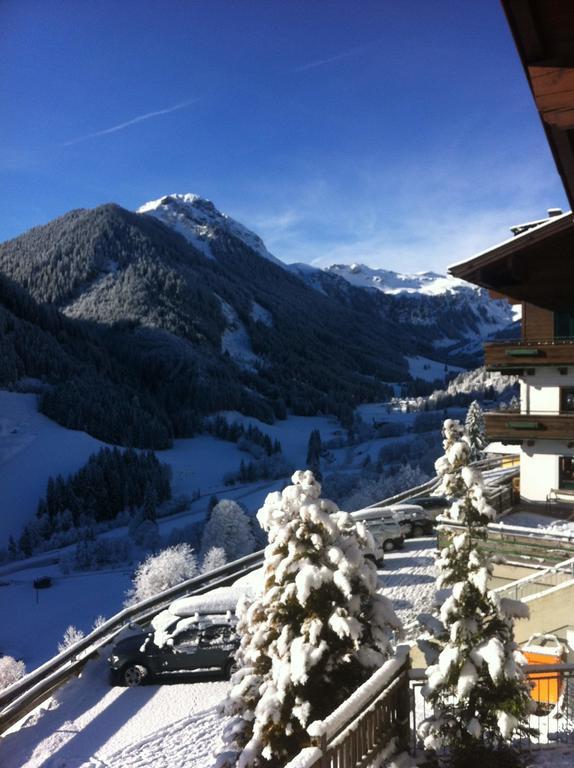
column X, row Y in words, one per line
column 507, row 426
column 543, row 31
column 537, row 323
column 520, row 357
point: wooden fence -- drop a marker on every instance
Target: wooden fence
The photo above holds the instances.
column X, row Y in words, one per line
column 372, row 722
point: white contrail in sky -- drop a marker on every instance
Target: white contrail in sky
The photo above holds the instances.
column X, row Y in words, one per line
column 337, row 57
column 133, row 121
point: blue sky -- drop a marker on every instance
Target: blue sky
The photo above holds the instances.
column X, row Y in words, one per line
column 401, row 135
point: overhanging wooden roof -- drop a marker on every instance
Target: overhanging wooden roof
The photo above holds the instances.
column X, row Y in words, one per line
column 543, row 31
column 536, row 267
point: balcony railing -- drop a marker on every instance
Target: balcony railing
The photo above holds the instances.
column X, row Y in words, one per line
column 552, row 720
column 533, row 425
column 520, row 354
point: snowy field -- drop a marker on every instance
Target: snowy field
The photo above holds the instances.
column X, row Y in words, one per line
column 33, row 448
column 34, row 622
column 430, row 370
column 173, row 725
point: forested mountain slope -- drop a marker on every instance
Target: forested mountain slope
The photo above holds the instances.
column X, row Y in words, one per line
column 176, row 311
column 190, row 331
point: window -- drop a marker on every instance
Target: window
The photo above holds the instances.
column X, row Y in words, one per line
column 566, row 399
column 217, row 635
column 564, row 325
column 186, row 640
column 567, row 472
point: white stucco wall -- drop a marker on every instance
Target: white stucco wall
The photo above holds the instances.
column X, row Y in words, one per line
column 539, row 469
column 541, row 393
column 539, row 465
column 538, row 474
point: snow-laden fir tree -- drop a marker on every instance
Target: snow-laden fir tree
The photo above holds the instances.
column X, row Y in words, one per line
column 317, row 631
column 476, row 430
column 475, row 683
column 449, row 466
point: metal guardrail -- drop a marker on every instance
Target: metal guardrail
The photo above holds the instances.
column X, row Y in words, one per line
column 23, row 696
column 430, row 485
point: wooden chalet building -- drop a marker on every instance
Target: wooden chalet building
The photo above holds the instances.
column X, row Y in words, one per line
column 535, row 268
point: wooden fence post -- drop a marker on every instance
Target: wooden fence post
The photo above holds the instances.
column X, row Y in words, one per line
column 404, row 710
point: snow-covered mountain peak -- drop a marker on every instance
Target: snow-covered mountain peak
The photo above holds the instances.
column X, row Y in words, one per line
column 199, row 221
column 387, row 281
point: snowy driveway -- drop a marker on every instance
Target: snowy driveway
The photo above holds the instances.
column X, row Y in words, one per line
column 408, row 577
column 93, row 725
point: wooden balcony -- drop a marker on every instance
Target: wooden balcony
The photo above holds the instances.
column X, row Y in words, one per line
column 519, row 355
column 514, row 427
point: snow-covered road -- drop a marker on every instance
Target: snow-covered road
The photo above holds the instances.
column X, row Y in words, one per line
column 93, row 725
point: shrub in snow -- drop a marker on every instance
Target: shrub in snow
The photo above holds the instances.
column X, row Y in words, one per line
column 98, row 622
column 214, row 558
column 72, row 636
column 10, row 671
column 476, row 430
column 158, row 572
column 228, row 528
column 475, row 683
column 317, row 631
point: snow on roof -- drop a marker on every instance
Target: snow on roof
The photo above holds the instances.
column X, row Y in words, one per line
column 496, row 447
column 515, row 238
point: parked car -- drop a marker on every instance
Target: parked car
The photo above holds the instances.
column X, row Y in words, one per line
column 412, row 518
column 434, row 505
column 387, row 535
column 137, row 659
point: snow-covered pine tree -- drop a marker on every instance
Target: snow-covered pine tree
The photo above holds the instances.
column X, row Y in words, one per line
column 476, row 430
column 314, row 453
column 317, row 631
column 475, row 684
column 456, row 456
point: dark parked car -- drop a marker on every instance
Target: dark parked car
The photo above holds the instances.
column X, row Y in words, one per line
column 434, row 505
column 137, row 659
